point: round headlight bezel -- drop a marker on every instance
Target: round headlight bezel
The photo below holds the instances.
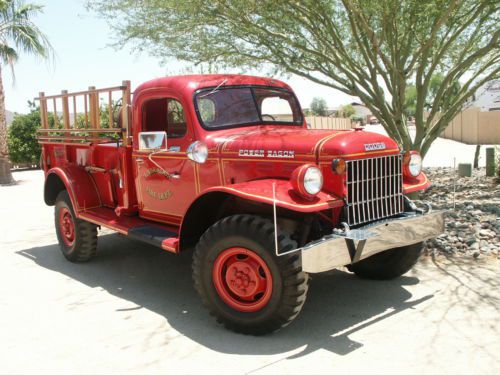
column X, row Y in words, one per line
column 313, row 180
column 307, row 180
column 412, row 164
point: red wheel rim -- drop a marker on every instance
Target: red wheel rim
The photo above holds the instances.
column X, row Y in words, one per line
column 242, row 279
column 66, row 226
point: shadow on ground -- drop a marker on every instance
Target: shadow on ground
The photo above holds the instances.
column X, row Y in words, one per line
column 338, row 304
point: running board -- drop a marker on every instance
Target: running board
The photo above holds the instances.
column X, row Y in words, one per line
column 147, row 231
column 152, row 235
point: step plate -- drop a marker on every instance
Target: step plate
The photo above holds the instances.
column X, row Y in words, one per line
column 150, row 234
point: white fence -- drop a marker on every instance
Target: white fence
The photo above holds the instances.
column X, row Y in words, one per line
column 334, row 123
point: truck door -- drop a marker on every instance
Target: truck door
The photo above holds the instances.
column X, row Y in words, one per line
column 165, row 180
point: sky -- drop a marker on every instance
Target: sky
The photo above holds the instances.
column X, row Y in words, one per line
column 84, row 58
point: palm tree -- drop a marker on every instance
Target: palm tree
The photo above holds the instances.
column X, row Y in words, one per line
column 18, row 34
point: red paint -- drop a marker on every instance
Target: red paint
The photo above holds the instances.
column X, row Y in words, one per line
column 67, row 226
column 242, row 279
column 286, row 196
column 110, row 185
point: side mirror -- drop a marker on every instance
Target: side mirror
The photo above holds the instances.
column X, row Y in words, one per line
column 152, row 141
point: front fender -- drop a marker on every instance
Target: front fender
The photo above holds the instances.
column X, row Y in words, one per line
column 415, row 184
column 286, row 197
column 79, row 184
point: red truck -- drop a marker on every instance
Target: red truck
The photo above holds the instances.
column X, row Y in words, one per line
column 224, row 165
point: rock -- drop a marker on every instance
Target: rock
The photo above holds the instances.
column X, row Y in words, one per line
column 476, row 254
column 474, row 246
column 471, row 240
column 484, row 232
column 483, row 244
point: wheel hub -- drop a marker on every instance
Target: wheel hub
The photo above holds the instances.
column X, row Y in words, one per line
column 242, row 279
column 66, row 226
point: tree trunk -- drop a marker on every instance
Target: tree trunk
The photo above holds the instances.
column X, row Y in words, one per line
column 5, row 174
column 476, row 157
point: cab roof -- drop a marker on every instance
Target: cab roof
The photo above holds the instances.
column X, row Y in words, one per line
column 187, row 84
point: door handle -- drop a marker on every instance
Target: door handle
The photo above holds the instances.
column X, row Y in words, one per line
column 140, row 160
column 175, row 175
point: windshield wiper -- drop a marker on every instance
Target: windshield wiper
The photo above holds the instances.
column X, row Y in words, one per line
column 215, row 89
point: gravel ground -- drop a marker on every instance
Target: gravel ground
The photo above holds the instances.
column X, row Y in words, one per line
column 473, row 217
column 133, row 310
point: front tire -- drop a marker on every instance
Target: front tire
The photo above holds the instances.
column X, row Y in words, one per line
column 388, row 264
column 240, row 280
column 77, row 238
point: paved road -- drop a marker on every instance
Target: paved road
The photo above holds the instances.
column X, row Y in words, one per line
column 133, row 311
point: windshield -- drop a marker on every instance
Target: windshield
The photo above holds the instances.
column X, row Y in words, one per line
column 238, row 106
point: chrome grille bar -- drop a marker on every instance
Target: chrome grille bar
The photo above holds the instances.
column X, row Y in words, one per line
column 374, row 189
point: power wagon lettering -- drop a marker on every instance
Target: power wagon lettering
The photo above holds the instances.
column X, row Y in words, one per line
column 289, row 154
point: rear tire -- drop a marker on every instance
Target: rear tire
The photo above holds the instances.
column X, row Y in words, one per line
column 388, row 264
column 240, row 280
column 77, row 238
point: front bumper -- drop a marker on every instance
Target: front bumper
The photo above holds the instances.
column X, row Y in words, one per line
column 338, row 250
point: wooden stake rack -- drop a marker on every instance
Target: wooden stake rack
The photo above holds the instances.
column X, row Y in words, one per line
column 61, row 130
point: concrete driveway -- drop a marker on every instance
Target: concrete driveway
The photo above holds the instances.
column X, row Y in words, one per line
column 133, row 310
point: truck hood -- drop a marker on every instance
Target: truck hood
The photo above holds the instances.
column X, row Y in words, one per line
column 294, row 143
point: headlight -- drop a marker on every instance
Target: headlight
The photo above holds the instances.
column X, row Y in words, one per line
column 307, row 180
column 313, row 180
column 413, row 163
column 198, row 152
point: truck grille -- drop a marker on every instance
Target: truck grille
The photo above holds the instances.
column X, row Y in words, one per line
column 374, row 189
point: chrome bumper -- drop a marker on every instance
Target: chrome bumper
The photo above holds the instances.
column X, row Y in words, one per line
column 342, row 249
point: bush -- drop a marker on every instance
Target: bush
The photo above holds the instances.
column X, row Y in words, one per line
column 23, row 145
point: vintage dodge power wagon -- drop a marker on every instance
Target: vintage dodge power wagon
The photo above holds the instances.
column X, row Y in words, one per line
column 226, row 166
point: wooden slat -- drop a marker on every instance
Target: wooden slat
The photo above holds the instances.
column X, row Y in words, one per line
column 92, row 108
column 75, row 115
column 56, row 121
column 86, row 110
column 125, row 110
column 97, row 110
column 87, row 92
column 114, row 130
column 65, row 109
column 65, row 143
column 110, row 109
column 43, row 110
column 74, row 138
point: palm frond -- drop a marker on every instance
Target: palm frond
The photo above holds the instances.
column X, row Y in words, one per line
column 19, row 34
column 8, row 54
